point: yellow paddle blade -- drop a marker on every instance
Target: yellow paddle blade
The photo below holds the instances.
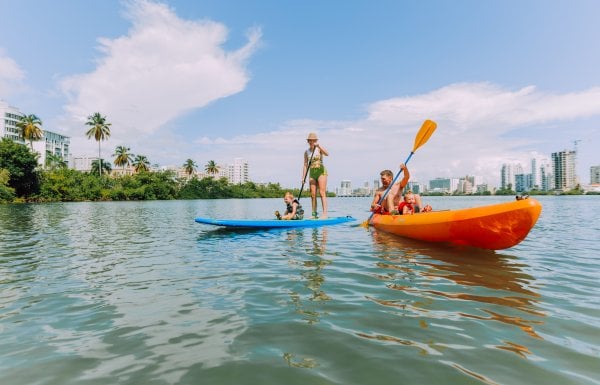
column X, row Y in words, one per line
column 424, row 133
column 422, row 137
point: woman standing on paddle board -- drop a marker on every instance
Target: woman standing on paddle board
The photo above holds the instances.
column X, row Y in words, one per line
column 313, row 164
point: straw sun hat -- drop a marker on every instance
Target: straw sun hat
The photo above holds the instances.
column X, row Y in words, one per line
column 312, row 135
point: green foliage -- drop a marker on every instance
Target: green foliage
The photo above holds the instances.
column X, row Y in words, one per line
column 99, row 130
column 576, row 191
column 68, row 185
column 122, row 156
column 211, row 167
column 99, row 127
column 7, row 193
column 106, row 167
column 141, row 163
column 29, row 126
column 72, row 185
column 189, row 166
column 21, row 164
column 539, row 192
column 54, row 161
column 210, row 188
column 505, row 191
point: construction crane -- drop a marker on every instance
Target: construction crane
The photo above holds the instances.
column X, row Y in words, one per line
column 575, row 142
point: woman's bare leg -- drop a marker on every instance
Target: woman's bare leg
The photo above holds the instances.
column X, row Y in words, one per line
column 323, row 193
column 313, row 195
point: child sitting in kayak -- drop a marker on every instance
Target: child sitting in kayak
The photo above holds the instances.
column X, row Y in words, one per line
column 293, row 208
column 407, row 206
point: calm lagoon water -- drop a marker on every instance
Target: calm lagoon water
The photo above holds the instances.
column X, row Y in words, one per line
column 138, row 293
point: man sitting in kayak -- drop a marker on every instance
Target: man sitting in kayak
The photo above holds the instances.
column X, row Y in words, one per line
column 293, row 208
column 392, row 199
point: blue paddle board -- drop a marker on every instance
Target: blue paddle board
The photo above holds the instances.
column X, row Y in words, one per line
column 273, row 223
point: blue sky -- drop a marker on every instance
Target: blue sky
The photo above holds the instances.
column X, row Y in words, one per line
column 215, row 80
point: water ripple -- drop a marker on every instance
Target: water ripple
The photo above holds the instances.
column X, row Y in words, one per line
column 136, row 293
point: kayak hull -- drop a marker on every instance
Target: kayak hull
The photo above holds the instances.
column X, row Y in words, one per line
column 495, row 227
column 273, row 223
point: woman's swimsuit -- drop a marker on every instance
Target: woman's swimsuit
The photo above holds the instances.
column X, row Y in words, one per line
column 316, row 167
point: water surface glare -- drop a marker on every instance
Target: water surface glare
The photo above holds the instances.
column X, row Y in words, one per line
column 137, row 293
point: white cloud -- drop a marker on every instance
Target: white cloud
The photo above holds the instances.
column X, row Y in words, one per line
column 162, row 68
column 480, row 126
column 11, row 75
column 165, row 67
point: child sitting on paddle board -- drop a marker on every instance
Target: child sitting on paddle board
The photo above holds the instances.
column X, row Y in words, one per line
column 293, row 208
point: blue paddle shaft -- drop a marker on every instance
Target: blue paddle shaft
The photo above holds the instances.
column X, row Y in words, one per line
column 387, row 190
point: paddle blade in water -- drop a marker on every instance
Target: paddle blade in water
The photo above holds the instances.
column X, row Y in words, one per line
column 424, row 133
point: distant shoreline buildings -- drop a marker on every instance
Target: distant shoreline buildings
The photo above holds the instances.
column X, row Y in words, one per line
column 557, row 174
column 51, row 143
column 59, row 146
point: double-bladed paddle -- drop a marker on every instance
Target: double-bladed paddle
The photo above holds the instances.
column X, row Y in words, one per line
column 422, row 137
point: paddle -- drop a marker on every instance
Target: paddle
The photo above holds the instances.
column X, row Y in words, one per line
column 306, row 174
column 422, row 137
column 303, row 180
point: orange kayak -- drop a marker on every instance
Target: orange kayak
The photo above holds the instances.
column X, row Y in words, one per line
column 494, row 227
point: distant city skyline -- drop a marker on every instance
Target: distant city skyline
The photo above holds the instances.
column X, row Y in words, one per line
column 218, row 80
column 543, row 173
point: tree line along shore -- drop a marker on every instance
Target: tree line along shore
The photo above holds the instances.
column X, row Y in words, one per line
column 22, row 180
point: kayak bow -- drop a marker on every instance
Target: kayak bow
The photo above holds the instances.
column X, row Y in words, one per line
column 494, row 227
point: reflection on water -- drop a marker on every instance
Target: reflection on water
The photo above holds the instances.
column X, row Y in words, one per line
column 311, row 264
column 138, row 293
column 432, row 278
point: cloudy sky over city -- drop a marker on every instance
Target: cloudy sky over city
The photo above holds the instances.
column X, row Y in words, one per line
column 221, row 79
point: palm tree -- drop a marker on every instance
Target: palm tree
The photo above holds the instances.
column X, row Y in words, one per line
column 106, row 167
column 100, row 130
column 141, row 163
column 123, row 156
column 54, row 161
column 30, row 128
column 189, row 166
column 211, row 167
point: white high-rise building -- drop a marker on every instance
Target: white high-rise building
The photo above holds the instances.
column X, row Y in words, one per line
column 547, row 177
column 82, row 163
column 51, row 142
column 345, row 188
column 238, row 171
column 9, row 117
column 540, row 169
column 508, row 175
column 594, row 174
column 563, row 164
